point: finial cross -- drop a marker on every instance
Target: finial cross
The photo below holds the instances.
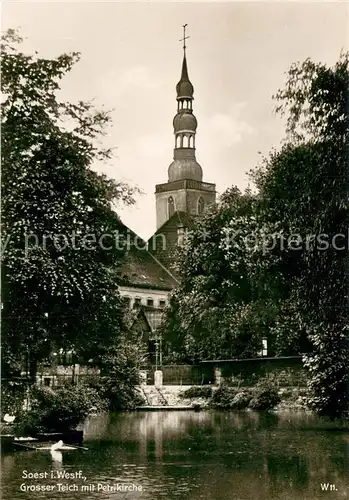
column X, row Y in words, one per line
column 184, row 37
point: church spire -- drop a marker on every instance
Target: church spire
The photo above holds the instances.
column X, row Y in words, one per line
column 184, row 195
column 184, row 165
column 184, row 87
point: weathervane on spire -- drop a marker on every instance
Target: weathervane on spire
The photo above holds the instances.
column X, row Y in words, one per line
column 184, row 37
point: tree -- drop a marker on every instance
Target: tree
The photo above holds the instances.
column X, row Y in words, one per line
column 206, row 314
column 304, row 192
column 59, row 283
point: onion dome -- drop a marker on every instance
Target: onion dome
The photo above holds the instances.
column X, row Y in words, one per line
column 184, row 87
column 185, row 168
column 185, row 124
column 184, row 121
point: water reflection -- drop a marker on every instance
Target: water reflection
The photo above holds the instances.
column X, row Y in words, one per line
column 194, row 455
column 57, row 459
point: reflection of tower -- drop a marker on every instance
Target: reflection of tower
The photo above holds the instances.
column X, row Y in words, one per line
column 158, row 437
column 184, row 192
column 143, row 435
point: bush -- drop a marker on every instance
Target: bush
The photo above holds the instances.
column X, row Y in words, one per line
column 121, row 376
column 287, row 394
column 13, row 394
column 223, row 397
column 197, row 392
column 119, row 384
column 228, row 398
column 59, row 410
column 119, row 380
column 265, row 396
column 241, row 400
column 120, row 395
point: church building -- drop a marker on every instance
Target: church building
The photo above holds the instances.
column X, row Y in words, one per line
column 147, row 275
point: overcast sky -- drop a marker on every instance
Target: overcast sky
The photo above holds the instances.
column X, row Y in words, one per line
column 238, row 53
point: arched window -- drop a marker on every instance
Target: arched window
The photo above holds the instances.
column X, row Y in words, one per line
column 171, row 206
column 201, row 205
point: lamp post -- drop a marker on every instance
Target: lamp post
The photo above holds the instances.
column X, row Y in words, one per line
column 160, row 354
column 71, row 358
column 156, row 352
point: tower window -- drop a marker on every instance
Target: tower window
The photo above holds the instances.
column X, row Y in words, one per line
column 201, row 205
column 150, row 302
column 171, row 207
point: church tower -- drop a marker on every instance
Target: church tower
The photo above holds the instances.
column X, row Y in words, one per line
column 185, row 192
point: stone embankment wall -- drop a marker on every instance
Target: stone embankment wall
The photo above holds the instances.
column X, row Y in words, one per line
column 292, row 398
column 170, row 395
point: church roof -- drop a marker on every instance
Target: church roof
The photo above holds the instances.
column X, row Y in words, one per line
column 164, row 242
column 178, row 218
column 141, row 269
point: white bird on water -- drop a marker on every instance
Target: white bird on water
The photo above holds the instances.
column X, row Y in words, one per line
column 9, row 418
column 57, row 445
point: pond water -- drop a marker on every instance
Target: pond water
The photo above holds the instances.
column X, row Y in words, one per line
column 190, row 455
